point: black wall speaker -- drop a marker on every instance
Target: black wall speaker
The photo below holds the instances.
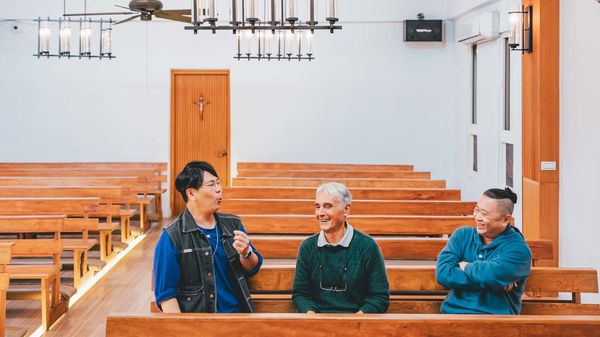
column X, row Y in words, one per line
column 422, row 30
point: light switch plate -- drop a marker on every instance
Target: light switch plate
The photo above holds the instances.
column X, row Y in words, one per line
column 548, row 166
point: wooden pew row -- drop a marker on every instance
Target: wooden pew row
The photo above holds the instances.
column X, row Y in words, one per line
column 359, row 207
column 350, row 183
column 45, row 172
column 108, row 195
column 338, row 174
column 146, row 188
column 286, row 247
column 5, row 257
column 48, row 276
column 373, row 225
column 71, row 207
column 56, row 224
column 249, row 192
column 406, row 279
column 325, row 325
column 320, row 166
column 89, row 165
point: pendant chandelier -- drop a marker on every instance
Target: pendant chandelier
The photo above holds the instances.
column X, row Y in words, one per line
column 276, row 15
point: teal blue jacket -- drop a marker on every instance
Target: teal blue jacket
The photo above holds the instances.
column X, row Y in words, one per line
column 479, row 289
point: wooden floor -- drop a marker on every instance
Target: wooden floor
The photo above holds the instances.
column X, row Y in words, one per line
column 126, row 288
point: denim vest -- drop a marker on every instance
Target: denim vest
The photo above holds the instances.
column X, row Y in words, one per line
column 196, row 288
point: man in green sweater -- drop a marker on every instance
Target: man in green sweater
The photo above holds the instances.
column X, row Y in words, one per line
column 340, row 269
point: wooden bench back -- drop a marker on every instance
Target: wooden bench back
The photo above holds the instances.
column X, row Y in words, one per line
column 42, row 172
column 48, row 206
column 279, row 278
column 242, row 192
column 32, row 224
column 36, row 247
column 321, row 166
column 333, row 174
column 359, row 207
column 350, row 183
column 71, row 181
column 286, row 247
column 373, row 225
column 324, row 325
column 89, row 165
column 5, row 257
column 107, row 194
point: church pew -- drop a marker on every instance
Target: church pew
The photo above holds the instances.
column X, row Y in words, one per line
column 62, row 172
column 135, row 190
column 107, row 194
column 321, row 325
column 373, row 225
column 245, row 192
column 350, row 183
column 15, row 224
column 321, row 166
column 359, row 207
column 47, row 274
column 338, row 174
column 406, row 279
column 286, row 247
column 5, row 257
column 89, row 165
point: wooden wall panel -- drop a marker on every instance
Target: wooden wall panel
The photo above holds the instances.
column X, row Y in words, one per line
column 541, row 125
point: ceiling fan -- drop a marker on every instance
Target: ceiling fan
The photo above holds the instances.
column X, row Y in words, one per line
column 146, row 9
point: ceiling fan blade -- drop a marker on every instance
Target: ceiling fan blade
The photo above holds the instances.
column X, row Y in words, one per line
column 177, row 11
column 127, row 8
column 169, row 16
column 103, row 13
column 128, row 19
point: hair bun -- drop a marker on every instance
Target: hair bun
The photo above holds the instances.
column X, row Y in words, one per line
column 511, row 195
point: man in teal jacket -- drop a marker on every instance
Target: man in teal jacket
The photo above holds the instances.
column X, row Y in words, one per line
column 485, row 267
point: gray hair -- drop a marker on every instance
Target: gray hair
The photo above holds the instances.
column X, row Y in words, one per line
column 340, row 190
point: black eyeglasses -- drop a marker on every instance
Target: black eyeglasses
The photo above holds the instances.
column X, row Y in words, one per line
column 334, row 282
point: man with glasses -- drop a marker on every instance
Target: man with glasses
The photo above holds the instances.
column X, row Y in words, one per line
column 340, row 269
column 203, row 258
column 485, row 267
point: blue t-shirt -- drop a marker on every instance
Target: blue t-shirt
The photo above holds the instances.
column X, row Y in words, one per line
column 167, row 274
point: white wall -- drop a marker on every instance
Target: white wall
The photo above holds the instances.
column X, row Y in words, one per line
column 490, row 84
column 367, row 98
column 579, row 136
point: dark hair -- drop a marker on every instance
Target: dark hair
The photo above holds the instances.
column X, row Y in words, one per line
column 507, row 196
column 192, row 176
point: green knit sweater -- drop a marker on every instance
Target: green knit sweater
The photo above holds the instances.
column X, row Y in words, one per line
column 342, row 280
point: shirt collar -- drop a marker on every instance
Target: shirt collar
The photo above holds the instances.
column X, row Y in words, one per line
column 344, row 242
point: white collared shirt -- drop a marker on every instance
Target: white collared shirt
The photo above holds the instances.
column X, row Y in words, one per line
column 344, row 242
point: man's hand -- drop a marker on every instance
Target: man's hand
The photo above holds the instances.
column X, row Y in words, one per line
column 463, row 265
column 510, row 287
column 241, row 242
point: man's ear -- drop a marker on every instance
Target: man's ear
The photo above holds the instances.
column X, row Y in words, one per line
column 190, row 194
column 347, row 209
column 508, row 219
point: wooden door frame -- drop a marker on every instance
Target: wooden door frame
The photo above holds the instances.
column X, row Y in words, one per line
column 172, row 173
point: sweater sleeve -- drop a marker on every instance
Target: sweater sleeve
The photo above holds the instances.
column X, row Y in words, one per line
column 448, row 272
column 378, row 298
column 514, row 264
column 303, row 285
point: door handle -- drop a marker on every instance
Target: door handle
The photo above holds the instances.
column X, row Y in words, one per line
column 222, row 154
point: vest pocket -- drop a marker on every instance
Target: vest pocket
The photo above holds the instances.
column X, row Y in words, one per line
column 192, row 301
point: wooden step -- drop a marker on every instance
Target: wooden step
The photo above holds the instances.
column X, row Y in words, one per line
column 320, row 166
column 334, row 174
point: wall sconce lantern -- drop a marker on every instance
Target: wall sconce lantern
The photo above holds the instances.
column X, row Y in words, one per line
column 521, row 30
